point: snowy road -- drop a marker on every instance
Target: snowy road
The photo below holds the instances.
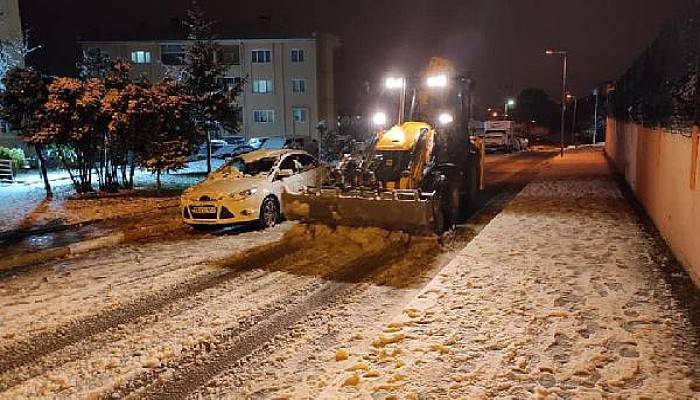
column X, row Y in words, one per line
column 252, row 315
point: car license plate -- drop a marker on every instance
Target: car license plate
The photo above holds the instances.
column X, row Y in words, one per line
column 203, row 210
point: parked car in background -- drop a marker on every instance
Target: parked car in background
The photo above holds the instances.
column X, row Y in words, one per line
column 230, row 151
column 234, row 140
column 248, row 188
column 201, row 153
column 216, row 144
column 257, row 142
column 268, row 142
column 274, row 143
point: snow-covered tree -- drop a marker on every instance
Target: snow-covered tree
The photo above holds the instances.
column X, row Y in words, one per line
column 22, row 97
column 13, row 53
column 212, row 104
column 172, row 133
column 70, row 119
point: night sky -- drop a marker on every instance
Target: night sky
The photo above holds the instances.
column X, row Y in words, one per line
column 500, row 42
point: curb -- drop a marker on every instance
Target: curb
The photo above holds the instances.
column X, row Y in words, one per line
column 24, row 260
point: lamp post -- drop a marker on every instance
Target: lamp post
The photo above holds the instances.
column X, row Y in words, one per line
column 564, row 55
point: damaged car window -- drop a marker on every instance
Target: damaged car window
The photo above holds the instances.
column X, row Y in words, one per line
column 254, row 167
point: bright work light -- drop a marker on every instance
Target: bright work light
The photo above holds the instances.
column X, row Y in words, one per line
column 379, row 119
column 394, row 83
column 438, row 81
column 445, row 119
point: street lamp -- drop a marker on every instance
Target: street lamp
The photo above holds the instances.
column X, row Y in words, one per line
column 393, row 83
column 564, row 55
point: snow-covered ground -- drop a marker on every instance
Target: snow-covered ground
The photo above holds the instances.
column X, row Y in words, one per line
column 23, row 203
column 558, row 297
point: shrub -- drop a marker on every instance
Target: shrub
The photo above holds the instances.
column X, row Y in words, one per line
column 14, row 155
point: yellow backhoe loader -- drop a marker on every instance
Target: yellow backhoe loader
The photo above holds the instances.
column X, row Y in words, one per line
column 418, row 176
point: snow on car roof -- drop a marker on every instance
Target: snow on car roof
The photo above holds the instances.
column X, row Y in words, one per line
column 265, row 153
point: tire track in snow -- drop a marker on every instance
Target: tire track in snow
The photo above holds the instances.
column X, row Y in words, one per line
column 84, row 349
column 32, row 348
column 194, row 370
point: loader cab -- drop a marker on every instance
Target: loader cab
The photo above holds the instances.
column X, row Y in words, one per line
column 401, row 154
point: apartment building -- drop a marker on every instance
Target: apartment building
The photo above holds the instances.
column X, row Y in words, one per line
column 288, row 82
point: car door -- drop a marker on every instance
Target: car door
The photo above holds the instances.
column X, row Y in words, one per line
column 296, row 181
column 310, row 170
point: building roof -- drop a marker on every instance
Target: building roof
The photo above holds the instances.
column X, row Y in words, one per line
column 176, row 31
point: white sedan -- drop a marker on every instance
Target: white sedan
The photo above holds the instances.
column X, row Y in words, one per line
column 248, row 188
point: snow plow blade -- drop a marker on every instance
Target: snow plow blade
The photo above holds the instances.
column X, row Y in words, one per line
column 398, row 210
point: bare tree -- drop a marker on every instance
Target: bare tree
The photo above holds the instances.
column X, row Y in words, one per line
column 13, row 53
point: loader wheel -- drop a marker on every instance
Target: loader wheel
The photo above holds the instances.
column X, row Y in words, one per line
column 447, row 211
column 269, row 213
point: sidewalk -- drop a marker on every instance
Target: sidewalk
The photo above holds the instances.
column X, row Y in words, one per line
column 560, row 296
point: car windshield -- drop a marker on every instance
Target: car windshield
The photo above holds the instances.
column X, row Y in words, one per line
column 260, row 166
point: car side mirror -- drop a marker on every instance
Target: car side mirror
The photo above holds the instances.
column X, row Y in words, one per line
column 285, row 173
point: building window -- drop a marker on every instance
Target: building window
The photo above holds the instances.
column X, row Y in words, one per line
column 171, row 54
column 228, row 54
column 298, row 85
column 264, row 116
column 299, row 114
column 229, row 82
column 262, row 86
column 262, row 56
column 141, row 57
column 297, row 55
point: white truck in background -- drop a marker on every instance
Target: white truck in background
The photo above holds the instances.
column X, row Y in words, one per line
column 499, row 136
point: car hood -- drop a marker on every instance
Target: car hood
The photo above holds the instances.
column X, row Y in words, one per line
column 217, row 186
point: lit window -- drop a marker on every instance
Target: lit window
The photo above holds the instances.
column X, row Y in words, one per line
column 261, row 56
column 298, row 85
column 141, row 57
column 297, row 55
column 262, row 86
column 299, row 114
column 264, row 116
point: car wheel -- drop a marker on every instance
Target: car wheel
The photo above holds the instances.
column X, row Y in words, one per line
column 269, row 213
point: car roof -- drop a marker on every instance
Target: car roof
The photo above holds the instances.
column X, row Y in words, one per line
column 266, row 153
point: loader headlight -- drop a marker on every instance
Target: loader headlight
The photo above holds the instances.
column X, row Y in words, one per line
column 379, row 119
column 445, row 119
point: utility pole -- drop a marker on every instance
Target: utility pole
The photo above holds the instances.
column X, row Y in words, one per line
column 564, row 55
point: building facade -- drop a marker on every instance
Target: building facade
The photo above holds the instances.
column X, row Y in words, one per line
column 288, row 86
